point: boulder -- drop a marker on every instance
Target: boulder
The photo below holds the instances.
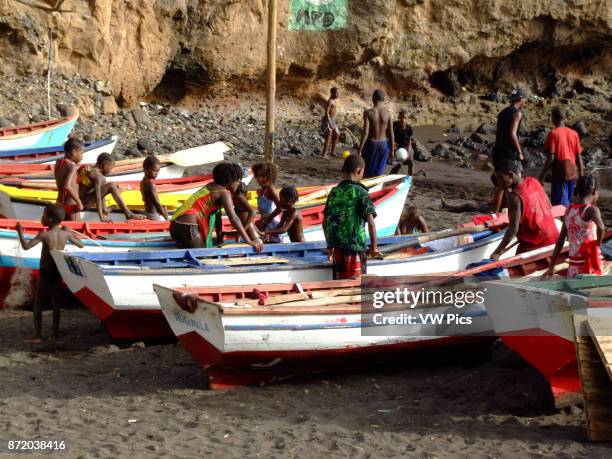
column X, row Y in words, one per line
column 487, row 129
column 580, row 128
column 441, row 150
column 86, row 107
column 20, row 119
column 146, row 145
column 4, row 123
column 478, row 138
column 109, row 106
column 420, row 151
column 141, row 117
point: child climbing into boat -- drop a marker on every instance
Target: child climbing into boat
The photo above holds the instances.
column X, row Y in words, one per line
column 245, row 213
column 584, row 228
column 65, row 174
column 412, row 222
column 193, row 223
column 291, row 219
column 348, row 208
column 47, row 287
column 93, row 188
column 268, row 202
column 153, row 208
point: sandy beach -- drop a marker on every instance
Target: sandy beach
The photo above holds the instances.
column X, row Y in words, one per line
column 116, row 401
column 109, row 400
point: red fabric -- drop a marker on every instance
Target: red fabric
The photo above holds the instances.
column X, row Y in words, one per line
column 347, row 264
column 537, row 226
column 70, row 209
column 481, row 219
column 564, row 144
column 587, row 261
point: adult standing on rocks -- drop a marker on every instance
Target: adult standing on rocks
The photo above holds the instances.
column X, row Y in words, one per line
column 563, row 148
column 507, row 145
column 377, row 137
column 329, row 128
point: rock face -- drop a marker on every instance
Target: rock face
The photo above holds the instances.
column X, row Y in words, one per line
column 405, row 44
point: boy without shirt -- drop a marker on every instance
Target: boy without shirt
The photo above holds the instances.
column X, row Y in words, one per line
column 377, row 138
column 93, row 188
column 65, row 173
column 47, row 287
column 329, row 128
column 153, row 208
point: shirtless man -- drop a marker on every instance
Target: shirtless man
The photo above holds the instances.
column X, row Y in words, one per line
column 65, row 173
column 377, row 136
column 329, row 128
column 93, row 188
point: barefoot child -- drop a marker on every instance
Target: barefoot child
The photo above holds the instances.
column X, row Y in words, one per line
column 268, row 202
column 412, row 222
column 348, row 208
column 93, row 188
column 329, row 128
column 47, row 287
column 65, row 173
column 153, row 208
column 291, row 218
column 584, row 228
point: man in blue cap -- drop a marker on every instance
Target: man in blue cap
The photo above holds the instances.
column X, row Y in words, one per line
column 507, row 145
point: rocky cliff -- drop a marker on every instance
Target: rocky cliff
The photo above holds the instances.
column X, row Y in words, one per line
column 177, row 46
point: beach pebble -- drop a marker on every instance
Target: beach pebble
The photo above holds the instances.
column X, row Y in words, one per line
column 138, row 345
column 144, row 144
column 5, row 123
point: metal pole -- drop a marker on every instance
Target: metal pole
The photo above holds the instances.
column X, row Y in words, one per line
column 271, row 83
column 49, row 73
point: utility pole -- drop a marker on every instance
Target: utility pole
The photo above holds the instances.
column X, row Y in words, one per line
column 271, row 83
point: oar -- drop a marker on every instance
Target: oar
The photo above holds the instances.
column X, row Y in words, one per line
column 196, row 156
column 418, row 240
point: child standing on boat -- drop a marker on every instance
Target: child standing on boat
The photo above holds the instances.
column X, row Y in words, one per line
column 268, row 202
column 193, row 223
column 47, row 287
column 291, row 218
column 65, row 173
column 153, row 208
column 584, row 228
column 348, row 208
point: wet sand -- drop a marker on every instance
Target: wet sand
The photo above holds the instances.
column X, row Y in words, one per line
column 109, row 401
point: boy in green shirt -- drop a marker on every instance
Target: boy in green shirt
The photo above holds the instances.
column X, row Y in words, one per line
column 348, row 208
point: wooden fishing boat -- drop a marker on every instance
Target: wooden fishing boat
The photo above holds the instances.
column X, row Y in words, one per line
column 171, row 195
column 52, row 133
column 309, row 328
column 97, row 237
column 48, row 155
column 534, row 319
column 118, row 287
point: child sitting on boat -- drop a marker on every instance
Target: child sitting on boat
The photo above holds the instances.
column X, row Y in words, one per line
column 49, row 279
column 193, row 223
column 412, row 222
column 291, row 219
column 93, row 188
column 153, row 208
column 268, row 202
column 584, row 228
column 65, row 173
column 348, row 208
